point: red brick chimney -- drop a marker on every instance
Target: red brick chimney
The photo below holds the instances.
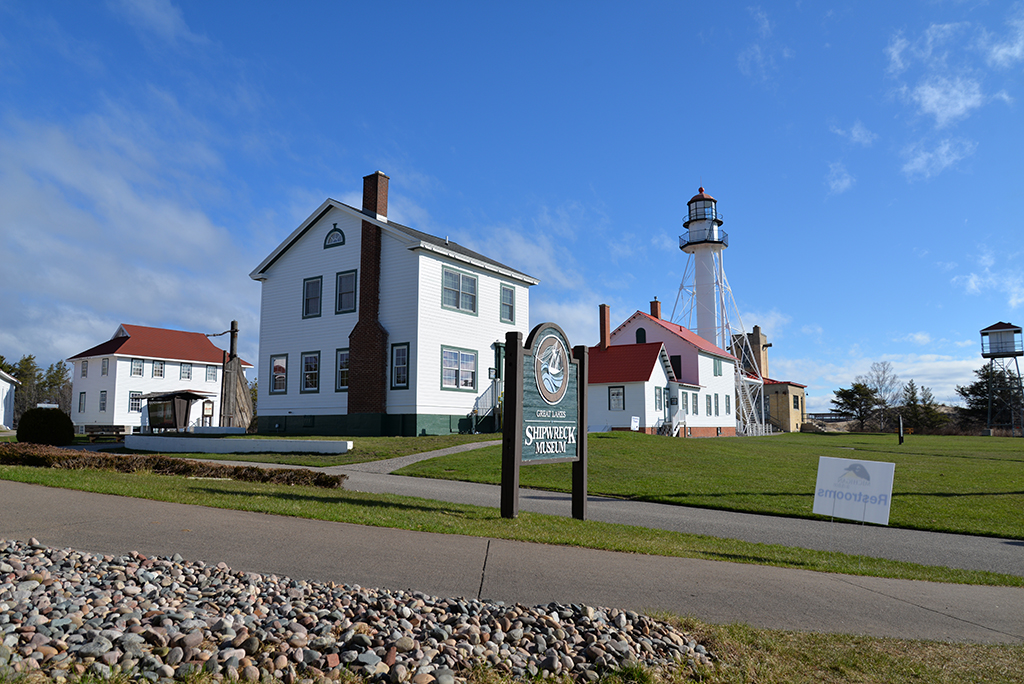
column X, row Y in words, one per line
column 368, row 342
column 606, row 326
column 656, row 309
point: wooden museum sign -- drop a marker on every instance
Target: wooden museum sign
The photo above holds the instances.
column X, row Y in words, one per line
column 545, row 412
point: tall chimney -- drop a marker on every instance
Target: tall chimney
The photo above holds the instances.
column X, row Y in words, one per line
column 606, row 326
column 656, row 309
column 368, row 355
column 375, row 195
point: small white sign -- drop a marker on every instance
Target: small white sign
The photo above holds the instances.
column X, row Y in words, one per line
column 634, row 424
column 855, row 490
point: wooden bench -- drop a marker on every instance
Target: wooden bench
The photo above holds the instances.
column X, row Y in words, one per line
column 117, row 432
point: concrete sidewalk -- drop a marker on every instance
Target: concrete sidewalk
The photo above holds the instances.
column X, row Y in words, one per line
column 452, row 565
column 913, row 546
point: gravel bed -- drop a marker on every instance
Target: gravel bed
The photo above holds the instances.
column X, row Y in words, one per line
column 68, row 613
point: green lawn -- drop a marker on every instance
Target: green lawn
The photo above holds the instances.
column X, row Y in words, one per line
column 972, row 485
column 446, row 518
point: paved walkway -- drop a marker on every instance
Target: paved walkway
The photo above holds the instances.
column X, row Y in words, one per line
column 453, row 565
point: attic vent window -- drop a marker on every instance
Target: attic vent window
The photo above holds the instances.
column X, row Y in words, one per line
column 335, row 238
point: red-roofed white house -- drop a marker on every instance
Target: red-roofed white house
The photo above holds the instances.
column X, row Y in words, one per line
column 110, row 379
column 701, row 387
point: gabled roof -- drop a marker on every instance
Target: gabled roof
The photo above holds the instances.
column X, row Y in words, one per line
column 627, row 363
column 416, row 238
column 1001, row 326
column 683, row 333
column 158, row 343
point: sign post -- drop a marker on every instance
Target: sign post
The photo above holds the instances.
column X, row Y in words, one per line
column 545, row 417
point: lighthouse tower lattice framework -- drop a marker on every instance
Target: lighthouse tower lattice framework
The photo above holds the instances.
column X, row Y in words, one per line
column 705, row 304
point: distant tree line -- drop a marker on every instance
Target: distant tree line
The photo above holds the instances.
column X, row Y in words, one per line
column 877, row 401
column 38, row 386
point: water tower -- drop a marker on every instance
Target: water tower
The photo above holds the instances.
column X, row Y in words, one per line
column 1001, row 345
column 708, row 307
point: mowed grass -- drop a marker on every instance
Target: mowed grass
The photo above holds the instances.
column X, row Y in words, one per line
column 364, row 449
column 970, row 485
column 410, row 513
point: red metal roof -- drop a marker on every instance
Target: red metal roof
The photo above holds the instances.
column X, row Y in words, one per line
column 623, row 362
column 701, row 195
column 159, row 343
column 685, row 333
column 769, row 381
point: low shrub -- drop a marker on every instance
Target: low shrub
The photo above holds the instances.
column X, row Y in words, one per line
column 50, row 457
column 46, row 426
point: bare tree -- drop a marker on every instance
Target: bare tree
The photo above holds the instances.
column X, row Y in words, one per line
column 887, row 389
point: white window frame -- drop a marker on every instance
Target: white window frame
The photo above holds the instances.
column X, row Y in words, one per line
column 458, row 377
column 138, row 368
column 185, row 371
column 456, row 296
column 510, row 305
column 135, row 402
column 617, row 398
column 103, row 401
column 341, row 369
column 85, row 368
column 400, row 366
column 310, row 383
column 81, row 402
column 104, row 366
column 273, row 389
column 158, row 369
column 211, row 374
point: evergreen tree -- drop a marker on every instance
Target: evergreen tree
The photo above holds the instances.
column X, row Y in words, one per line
column 26, row 395
column 55, row 387
column 1005, row 390
column 858, row 402
column 911, row 406
column 931, row 417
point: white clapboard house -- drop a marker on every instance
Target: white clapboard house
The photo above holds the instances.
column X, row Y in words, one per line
column 7, row 385
column 369, row 327
column 658, row 376
column 111, row 381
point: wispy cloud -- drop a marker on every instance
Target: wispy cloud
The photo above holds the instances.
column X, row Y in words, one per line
column 160, row 18
column 838, row 179
column 947, row 99
column 758, row 60
column 858, row 134
column 921, row 338
column 923, row 161
column 1006, row 51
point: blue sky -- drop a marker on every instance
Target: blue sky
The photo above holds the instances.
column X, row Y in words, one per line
column 866, row 156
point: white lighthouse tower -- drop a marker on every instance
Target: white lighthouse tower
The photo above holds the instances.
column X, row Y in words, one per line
column 705, row 296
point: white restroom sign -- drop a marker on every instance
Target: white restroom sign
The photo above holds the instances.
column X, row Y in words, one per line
column 855, row 490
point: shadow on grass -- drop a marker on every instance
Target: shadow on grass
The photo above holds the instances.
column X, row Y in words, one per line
column 366, row 503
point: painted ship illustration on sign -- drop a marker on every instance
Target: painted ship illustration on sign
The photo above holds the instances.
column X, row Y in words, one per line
column 552, row 369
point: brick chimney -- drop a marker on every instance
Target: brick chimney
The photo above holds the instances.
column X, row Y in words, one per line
column 656, row 309
column 368, row 342
column 375, row 195
column 606, row 326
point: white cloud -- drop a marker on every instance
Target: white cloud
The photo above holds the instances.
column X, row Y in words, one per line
column 921, row 338
column 1007, row 51
column 857, row 134
column 923, row 162
column 1008, row 283
column 95, row 235
column 160, row 18
column 948, row 100
column 764, row 26
column 772, row 322
column 838, row 179
column 895, row 49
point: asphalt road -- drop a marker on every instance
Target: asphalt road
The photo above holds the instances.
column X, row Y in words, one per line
column 452, row 565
